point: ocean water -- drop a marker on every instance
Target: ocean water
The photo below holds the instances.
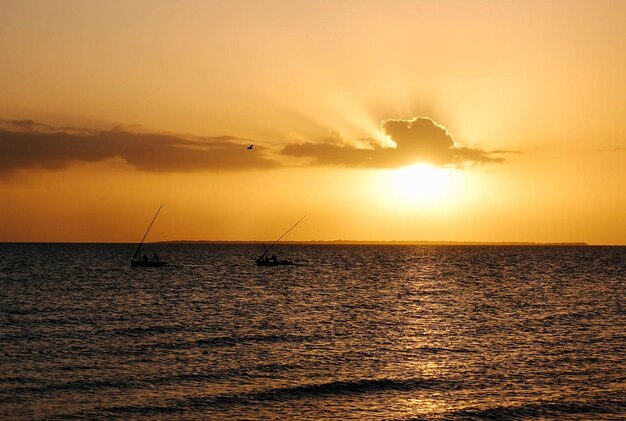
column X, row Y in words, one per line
column 355, row 332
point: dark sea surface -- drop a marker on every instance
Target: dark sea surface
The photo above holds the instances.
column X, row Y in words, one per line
column 356, row 332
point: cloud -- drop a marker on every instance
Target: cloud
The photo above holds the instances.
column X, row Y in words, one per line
column 26, row 144
column 613, row 149
column 400, row 143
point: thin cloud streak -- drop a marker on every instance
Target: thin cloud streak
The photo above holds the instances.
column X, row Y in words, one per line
column 613, row 149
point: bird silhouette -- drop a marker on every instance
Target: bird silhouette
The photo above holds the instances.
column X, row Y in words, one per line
column 250, row 147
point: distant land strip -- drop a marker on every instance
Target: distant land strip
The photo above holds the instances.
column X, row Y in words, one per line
column 357, row 242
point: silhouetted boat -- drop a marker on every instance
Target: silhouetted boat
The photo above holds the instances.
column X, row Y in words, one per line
column 270, row 262
column 143, row 261
column 264, row 260
column 149, row 263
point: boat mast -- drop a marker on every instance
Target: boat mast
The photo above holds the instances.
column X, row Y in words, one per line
column 279, row 238
column 146, row 234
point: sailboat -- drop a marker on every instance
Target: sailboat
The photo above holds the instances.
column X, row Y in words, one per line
column 140, row 260
column 264, row 260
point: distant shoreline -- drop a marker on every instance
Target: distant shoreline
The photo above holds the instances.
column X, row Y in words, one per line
column 339, row 243
column 377, row 243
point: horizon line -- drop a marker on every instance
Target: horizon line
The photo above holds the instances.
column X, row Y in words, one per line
column 336, row 242
column 378, row 242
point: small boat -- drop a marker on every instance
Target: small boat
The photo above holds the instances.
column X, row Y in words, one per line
column 140, row 260
column 269, row 262
column 148, row 264
column 264, row 260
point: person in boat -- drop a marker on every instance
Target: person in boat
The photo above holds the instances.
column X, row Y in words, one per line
column 145, row 258
column 274, row 258
column 156, row 257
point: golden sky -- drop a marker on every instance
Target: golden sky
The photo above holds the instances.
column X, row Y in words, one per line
column 395, row 120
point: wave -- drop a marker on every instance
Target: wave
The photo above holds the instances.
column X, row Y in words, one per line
column 312, row 390
column 13, row 394
column 437, row 350
column 542, row 409
column 352, row 387
column 155, row 330
column 212, row 342
column 146, row 330
column 16, row 394
column 256, row 338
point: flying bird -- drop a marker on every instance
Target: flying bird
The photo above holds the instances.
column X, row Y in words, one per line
column 250, row 147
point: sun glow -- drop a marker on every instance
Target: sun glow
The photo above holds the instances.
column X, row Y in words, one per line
column 421, row 186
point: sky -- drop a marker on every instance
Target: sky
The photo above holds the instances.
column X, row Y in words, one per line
column 378, row 120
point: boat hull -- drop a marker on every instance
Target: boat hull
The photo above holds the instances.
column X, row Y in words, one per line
column 136, row 263
column 271, row 263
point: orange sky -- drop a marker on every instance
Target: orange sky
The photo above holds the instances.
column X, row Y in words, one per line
column 399, row 120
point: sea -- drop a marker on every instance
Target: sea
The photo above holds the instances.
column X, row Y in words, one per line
column 363, row 332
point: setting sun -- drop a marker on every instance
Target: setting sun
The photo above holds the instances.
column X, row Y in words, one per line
column 421, row 186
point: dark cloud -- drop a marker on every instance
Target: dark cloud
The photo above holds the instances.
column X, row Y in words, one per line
column 26, row 144
column 417, row 140
column 23, row 124
column 335, row 150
